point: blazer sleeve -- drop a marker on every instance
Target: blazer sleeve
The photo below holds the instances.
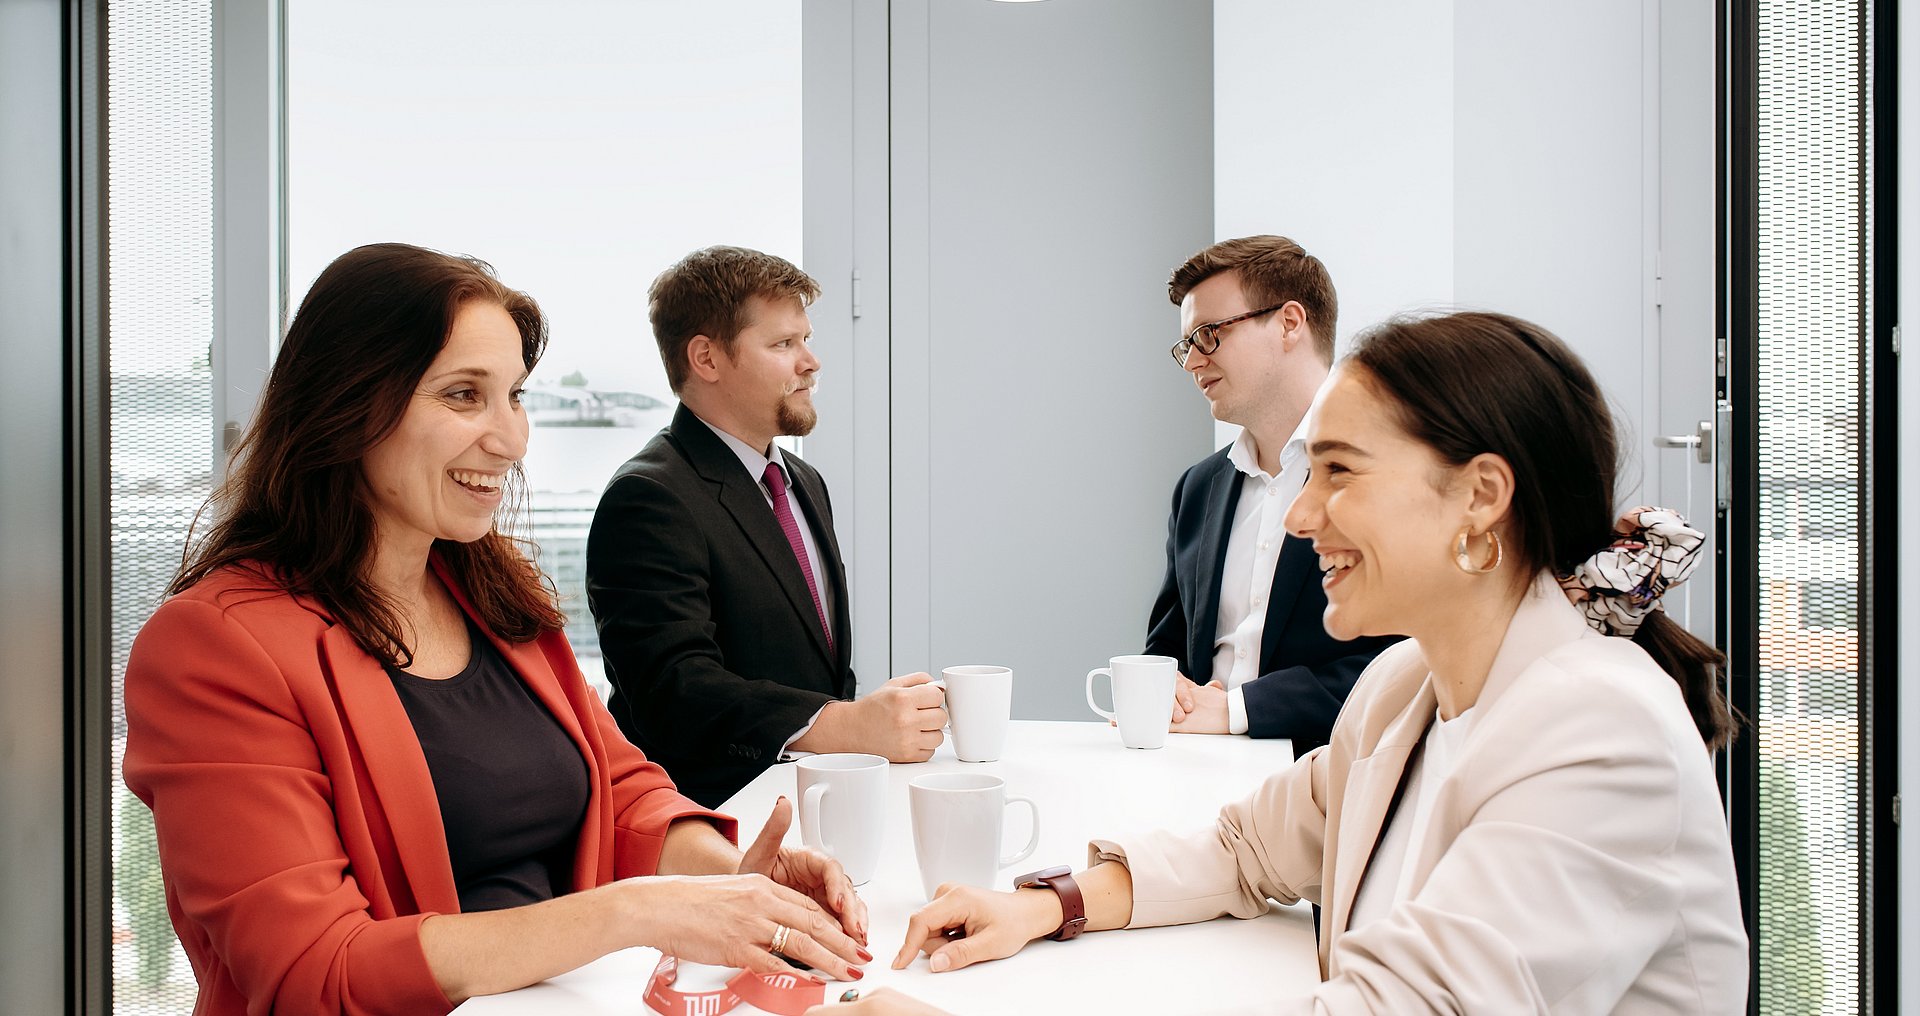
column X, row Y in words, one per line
column 1571, row 829
column 1572, row 825
column 650, row 586
column 218, row 747
column 645, row 802
column 1301, row 702
column 1266, row 846
column 1167, row 622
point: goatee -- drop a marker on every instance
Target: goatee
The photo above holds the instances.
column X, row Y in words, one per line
column 796, row 420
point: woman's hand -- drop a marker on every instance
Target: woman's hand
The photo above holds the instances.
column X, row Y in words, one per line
column 731, row 921
column 965, row 925
column 883, row 1002
column 806, row 871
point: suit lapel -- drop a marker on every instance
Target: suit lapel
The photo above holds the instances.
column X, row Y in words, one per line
column 1297, row 566
column 395, row 767
column 742, row 497
column 1222, row 498
column 1372, row 783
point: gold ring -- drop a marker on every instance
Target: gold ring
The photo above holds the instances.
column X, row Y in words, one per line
column 780, row 933
column 850, row 995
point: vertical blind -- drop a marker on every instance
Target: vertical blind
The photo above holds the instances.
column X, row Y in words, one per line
column 160, row 415
column 1814, row 701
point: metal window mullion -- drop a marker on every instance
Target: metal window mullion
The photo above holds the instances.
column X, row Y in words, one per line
column 249, row 208
column 90, row 599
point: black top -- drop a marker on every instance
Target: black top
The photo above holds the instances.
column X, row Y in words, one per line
column 512, row 785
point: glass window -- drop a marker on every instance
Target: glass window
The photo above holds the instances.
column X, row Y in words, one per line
column 160, row 427
column 581, row 147
column 1812, row 312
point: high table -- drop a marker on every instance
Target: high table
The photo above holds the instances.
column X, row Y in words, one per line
column 1086, row 785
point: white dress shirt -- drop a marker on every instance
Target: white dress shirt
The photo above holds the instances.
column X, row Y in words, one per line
column 1246, row 575
column 756, row 466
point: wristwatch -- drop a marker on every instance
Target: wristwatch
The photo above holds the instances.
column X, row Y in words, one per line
column 1073, row 909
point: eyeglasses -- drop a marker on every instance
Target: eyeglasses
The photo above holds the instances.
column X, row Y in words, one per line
column 1206, row 338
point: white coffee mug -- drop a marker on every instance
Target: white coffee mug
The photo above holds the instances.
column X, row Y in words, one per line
column 843, row 808
column 1142, row 697
column 957, row 824
column 979, row 705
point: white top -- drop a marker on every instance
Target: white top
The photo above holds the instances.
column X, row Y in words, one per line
column 1253, row 549
column 756, row 465
column 1390, row 872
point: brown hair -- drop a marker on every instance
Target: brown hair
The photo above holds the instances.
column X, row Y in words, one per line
column 295, row 503
column 1273, row 270
column 1549, row 419
column 706, row 293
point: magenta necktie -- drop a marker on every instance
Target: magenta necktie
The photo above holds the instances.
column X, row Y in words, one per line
column 776, row 481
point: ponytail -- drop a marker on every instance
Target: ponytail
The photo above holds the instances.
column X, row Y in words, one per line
column 1696, row 667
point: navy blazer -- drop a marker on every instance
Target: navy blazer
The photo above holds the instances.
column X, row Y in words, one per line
column 1305, row 674
column 709, row 634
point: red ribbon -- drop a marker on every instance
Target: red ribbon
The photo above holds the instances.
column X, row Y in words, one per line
column 784, row 994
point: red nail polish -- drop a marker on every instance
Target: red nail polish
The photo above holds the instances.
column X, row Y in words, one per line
column 856, row 973
column 865, row 956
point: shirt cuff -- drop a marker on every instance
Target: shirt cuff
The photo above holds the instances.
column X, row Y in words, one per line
column 1237, row 710
column 787, row 754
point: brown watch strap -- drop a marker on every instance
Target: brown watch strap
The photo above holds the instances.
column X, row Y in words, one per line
column 1073, row 907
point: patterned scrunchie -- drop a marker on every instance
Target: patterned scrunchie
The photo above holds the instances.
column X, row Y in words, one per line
column 1619, row 586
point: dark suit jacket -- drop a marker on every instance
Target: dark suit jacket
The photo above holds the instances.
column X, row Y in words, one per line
column 1305, row 674
column 709, row 634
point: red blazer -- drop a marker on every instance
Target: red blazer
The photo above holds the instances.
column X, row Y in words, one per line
column 300, row 838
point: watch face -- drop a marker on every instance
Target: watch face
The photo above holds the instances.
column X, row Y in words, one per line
column 1034, row 877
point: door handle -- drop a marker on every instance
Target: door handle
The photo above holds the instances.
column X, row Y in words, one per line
column 1701, row 441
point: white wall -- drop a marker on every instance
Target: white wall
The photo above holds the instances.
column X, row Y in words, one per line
column 1504, row 155
column 1051, row 164
column 32, row 564
column 1334, row 125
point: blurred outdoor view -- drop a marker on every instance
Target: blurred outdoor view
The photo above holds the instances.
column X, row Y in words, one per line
column 579, row 146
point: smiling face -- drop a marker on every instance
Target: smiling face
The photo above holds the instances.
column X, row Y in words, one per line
column 1382, row 510
column 440, row 473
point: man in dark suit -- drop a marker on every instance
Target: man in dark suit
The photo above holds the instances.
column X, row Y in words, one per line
column 713, row 571
column 1241, row 605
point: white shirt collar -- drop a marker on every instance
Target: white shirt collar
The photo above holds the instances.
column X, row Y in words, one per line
column 749, row 456
column 1246, row 458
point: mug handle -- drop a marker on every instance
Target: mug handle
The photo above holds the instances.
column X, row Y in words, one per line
column 1033, row 839
column 810, row 818
column 1091, row 704
column 947, row 727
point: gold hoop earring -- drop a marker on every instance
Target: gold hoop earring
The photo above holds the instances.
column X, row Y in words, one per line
column 1465, row 560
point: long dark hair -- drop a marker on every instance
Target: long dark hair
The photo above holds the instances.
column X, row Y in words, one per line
column 1548, row 418
column 295, row 504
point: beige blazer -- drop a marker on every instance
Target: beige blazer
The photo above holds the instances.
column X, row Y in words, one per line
column 1577, row 860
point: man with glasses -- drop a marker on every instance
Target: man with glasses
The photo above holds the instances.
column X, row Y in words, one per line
column 1241, row 605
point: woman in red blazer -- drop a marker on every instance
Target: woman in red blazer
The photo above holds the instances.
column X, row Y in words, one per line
column 279, row 705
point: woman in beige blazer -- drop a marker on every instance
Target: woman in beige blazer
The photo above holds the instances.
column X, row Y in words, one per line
column 1517, row 812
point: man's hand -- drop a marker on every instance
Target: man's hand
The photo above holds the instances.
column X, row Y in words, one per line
column 901, row 720
column 1199, row 708
column 809, row 872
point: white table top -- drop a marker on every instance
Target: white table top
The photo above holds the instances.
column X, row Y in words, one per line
column 1086, row 785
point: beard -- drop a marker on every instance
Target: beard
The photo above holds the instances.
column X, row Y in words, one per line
column 796, row 419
